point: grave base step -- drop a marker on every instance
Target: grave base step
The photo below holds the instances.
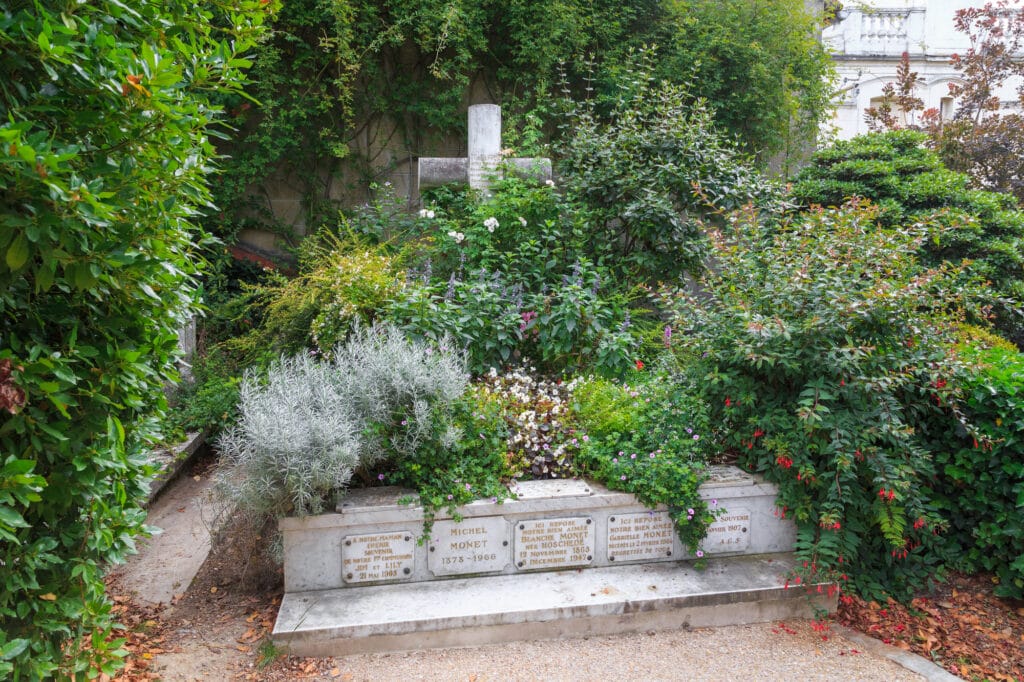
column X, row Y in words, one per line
column 579, row 603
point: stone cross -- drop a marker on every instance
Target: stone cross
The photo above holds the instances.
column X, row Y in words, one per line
column 483, row 159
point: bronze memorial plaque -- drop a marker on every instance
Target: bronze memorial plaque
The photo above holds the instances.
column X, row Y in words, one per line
column 554, row 543
column 646, row 535
column 377, row 556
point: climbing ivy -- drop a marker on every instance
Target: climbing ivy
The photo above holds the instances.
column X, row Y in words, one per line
column 351, row 88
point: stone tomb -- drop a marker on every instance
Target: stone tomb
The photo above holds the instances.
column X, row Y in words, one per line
column 565, row 558
column 552, row 525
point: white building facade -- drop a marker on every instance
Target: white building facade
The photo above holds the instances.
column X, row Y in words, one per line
column 867, row 41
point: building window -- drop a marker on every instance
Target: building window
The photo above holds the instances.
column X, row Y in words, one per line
column 946, row 108
column 899, row 116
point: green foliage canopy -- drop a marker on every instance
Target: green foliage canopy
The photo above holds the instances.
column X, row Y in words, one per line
column 350, row 88
column 910, row 183
column 105, row 115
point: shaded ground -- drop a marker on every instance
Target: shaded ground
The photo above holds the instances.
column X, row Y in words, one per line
column 964, row 628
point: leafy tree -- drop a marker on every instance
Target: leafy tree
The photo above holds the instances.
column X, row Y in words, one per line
column 106, row 113
column 981, row 141
column 645, row 172
column 351, row 88
column 910, row 183
column 760, row 65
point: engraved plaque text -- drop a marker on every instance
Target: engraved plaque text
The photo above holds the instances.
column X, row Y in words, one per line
column 554, row 543
column 378, row 556
column 730, row 532
column 632, row 537
column 474, row 545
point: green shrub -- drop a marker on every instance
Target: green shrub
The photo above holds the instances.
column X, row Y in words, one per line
column 909, row 183
column 649, row 438
column 826, row 346
column 340, row 284
column 106, row 113
column 644, row 174
column 462, row 462
column 295, row 445
column 210, row 400
column 979, row 483
column 507, row 280
column 310, row 425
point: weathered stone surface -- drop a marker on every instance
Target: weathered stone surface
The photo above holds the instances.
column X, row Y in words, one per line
column 375, row 557
column 312, row 545
column 435, row 172
column 729, row 533
column 526, row 606
column 538, row 490
column 479, row 545
column 483, row 159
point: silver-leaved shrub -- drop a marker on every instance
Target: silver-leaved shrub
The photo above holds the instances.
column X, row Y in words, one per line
column 309, row 425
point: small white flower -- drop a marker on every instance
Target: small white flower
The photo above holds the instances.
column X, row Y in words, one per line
column 522, row 221
column 457, row 236
column 426, row 213
column 549, row 183
column 491, row 223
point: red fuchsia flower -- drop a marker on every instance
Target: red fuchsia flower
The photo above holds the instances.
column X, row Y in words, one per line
column 758, row 433
column 728, row 403
column 783, row 461
column 919, row 524
column 639, row 364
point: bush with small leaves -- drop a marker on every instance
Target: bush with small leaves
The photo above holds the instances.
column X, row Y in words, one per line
column 826, row 346
column 107, row 110
column 909, row 183
column 979, row 482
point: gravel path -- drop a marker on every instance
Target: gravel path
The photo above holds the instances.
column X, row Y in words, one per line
column 751, row 653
